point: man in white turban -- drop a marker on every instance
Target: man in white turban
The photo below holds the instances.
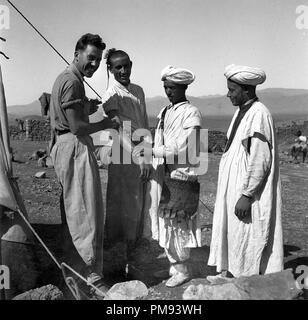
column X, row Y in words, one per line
column 247, row 229
column 245, row 75
column 173, row 192
column 177, row 75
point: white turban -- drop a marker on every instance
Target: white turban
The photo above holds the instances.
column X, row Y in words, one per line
column 245, row 75
column 177, row 75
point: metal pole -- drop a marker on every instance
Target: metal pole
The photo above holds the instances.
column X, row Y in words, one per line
column 5, row 125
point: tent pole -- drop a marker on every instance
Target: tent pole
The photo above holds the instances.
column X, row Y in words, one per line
column 5, row 125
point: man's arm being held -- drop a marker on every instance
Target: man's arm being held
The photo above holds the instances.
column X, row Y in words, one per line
column 145, row 169
column 79, row 127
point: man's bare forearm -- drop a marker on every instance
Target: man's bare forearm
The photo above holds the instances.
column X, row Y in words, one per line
column 81, row 128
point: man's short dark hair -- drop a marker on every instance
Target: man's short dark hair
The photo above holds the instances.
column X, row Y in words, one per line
column 92, row 39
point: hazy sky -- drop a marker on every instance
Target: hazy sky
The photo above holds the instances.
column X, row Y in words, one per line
column 200, row 35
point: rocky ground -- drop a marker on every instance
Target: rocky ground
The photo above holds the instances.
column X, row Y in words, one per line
column 41, row 198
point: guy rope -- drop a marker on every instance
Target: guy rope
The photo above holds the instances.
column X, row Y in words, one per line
column 50, row 45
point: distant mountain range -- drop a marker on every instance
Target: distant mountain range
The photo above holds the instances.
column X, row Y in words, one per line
column 278, row 100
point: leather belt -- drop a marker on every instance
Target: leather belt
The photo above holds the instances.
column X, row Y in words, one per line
column 60, row 132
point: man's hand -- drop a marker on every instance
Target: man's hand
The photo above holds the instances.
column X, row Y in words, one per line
column 138, row 151
column 109, row 124
column 116, row 119
column 92, row 105
column 143, row 149
column 145, row 171
column 243, row 207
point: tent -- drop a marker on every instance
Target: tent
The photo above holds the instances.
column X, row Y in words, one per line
column 12, row 226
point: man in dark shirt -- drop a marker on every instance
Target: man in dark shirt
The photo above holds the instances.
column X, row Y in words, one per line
column 73, row 155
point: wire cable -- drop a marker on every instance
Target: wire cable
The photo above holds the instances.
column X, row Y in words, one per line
column 44, row 38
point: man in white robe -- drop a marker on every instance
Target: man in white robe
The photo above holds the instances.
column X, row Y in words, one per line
column 173, row 214
column 125, row 102
column 247, row 228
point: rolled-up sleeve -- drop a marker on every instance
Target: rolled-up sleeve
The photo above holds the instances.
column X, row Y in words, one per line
column 72, row 95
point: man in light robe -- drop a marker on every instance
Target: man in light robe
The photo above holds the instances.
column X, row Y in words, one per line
column 247, row 228
column 125, row 102
column 173, row 192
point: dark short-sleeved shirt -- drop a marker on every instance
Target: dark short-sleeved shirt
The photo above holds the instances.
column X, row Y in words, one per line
column 67, row 92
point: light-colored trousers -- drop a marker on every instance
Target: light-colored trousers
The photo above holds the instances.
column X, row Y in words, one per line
column 76, row 168
column 176, row 252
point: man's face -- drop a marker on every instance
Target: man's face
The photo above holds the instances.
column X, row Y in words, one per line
column 236, row 93
column 121, row 68
column 175, row 92
column 88, row 60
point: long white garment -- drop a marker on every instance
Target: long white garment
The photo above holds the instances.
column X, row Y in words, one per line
column 125, row 189
column 255, row 245
column 179, row 121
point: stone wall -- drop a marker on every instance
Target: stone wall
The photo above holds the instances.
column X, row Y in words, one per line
column 35, row 130
column 291, row 127
column 16, row 133
column 38, row 130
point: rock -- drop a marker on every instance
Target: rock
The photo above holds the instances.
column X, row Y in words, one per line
column 275, row 286
column 227, row 291
column 49, row 292
column 40, row 175
column 130, row 290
